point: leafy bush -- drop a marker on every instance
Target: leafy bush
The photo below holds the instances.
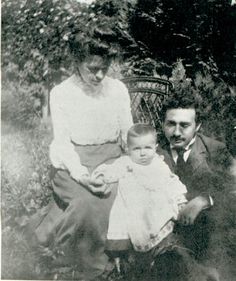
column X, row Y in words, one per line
column 25, row 188
column 21, row 102
column 193, row 31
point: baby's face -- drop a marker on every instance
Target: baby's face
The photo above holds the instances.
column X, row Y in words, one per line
column 142, row 149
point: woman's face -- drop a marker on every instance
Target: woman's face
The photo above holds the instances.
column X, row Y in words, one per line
column 93, row 69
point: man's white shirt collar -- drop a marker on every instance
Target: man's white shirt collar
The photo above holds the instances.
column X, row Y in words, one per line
column 187, row 149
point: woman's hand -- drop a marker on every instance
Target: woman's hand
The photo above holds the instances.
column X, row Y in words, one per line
column 99, row 183
column 96, row 185
column 98, row 188
column 85, row 180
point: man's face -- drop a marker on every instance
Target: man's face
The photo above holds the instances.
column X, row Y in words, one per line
column 93, row 70
column 142, row 149
column 180, row 126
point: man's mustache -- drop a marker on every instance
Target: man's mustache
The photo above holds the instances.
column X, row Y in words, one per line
column 177, row 138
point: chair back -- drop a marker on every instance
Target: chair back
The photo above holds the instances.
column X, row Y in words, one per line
column 147, row 95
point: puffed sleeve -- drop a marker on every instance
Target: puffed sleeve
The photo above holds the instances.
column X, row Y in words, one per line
column 113, row 172
column 178, row 191
column 62, row 153
column 125, row 116
column 175, row 188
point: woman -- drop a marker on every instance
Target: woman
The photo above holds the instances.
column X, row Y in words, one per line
column 90, row 115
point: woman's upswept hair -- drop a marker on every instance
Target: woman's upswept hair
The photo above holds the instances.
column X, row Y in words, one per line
column 183, row 97
column 99, row 39
column 140, row 129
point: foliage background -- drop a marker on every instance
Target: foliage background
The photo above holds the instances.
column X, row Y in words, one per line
column 192, row 42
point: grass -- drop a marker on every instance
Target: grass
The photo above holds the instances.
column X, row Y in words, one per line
column 25, row 189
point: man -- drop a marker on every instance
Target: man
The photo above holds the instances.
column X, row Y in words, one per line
column 202, row 164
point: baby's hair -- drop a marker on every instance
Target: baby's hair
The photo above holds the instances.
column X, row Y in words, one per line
column 140, row 129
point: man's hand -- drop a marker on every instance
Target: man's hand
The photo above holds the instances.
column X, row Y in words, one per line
column 192, row 209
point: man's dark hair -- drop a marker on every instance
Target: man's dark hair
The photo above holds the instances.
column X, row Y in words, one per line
column 184, row 97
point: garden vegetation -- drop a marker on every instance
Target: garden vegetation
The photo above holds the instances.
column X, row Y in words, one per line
column 191, row 43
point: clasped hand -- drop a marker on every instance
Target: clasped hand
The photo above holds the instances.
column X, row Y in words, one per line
column 189, row 213
column 95, row 183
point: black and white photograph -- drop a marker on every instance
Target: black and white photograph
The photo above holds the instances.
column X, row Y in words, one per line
column 118, row 140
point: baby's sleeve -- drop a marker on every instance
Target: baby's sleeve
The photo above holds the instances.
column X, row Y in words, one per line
column 175, row 188
column 110, row 172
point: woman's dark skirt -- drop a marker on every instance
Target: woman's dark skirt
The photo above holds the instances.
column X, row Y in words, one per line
column 76, row 221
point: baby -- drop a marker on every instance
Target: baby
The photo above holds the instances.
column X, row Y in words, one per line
column 149, row 195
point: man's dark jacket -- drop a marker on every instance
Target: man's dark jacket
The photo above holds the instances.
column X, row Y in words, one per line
column 206, row 173
column 206, row 167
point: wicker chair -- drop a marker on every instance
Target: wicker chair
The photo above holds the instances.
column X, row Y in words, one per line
column 147, row 95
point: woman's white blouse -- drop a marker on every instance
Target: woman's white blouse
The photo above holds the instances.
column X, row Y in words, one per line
column 86, row 119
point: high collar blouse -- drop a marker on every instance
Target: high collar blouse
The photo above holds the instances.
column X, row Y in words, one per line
column 84, row 117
